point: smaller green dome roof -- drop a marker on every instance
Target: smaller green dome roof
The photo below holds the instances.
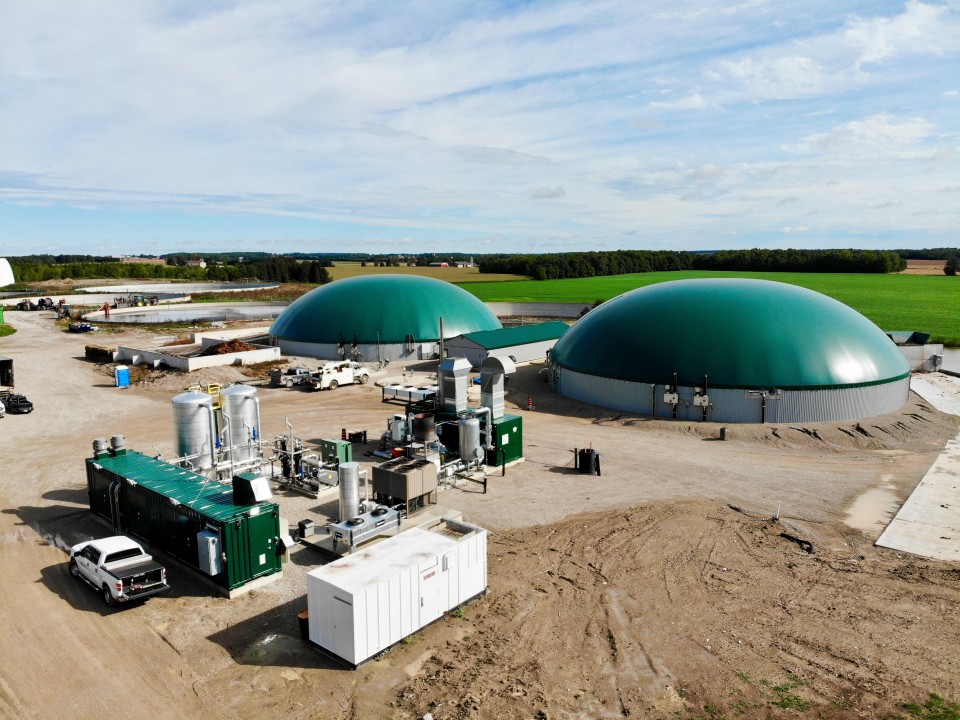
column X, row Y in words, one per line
column 384, row 308
column 739, row 333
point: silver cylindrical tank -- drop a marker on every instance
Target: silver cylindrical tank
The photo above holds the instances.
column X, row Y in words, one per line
column 470, row 440
column 100, row 445
column 241, row 411
column 117, row 442
column 349, row 490
column 193, row 427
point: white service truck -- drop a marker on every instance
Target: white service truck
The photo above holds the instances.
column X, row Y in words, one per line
column 119, row 568
column 333, row 375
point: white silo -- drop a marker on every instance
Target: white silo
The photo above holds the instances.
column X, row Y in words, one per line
column 194, row 429
column 240, row 408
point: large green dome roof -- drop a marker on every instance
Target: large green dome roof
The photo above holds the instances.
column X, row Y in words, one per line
column 739, row 333
column 384, row 308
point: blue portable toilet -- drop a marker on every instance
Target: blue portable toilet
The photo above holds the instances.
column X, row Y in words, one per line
column 122, row 374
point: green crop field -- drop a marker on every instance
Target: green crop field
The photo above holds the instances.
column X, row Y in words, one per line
column 928, row 303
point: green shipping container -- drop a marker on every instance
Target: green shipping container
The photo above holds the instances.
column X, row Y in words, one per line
column 186, row 515
column 507, row 440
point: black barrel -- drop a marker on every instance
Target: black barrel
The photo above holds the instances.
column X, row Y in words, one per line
column 303, row 620
column 587, row 461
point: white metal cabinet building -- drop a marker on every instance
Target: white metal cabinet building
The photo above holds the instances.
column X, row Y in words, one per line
column 362, row 604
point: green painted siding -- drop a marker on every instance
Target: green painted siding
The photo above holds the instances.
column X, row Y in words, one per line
column 510, row 426
column 167, row 506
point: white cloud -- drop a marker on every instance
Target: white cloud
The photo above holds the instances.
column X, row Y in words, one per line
column 548, row 193
column 441, row 119
column 879, row 135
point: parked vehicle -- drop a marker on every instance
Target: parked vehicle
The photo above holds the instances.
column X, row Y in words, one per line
column 142, row 300
column 119, row 568
column 17, row 404
column 333, row 375
column 40, row 304
column 80, row 327
column 6, row 375
column 290, row 376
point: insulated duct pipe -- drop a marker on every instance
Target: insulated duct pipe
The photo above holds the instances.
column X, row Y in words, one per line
column 488, row 433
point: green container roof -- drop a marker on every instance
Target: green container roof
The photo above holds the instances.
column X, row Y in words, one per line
column 209, row 497
column 739, row 333
column 520, row 335
column 382, row 308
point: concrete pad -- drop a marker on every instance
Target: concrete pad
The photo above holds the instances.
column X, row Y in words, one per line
column 941, row 391
column 928, row 524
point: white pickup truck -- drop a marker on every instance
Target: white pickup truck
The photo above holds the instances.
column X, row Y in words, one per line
column 119, row 568
column 333, row 375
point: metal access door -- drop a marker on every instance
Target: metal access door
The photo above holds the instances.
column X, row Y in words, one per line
column 429, row 594
column 263, row 551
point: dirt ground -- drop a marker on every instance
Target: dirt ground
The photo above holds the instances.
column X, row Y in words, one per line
column 663, row 588
column 924, row 267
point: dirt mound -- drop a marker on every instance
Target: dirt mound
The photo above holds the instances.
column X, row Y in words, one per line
column 225, row 348
column 695, row 608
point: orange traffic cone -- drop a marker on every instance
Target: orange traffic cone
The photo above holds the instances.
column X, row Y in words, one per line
column 529, row 402
column 343, row 433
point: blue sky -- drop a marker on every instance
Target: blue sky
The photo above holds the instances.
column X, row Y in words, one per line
column 319, row 126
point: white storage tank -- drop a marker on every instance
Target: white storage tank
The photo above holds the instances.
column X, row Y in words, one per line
column 194, row 428
column 240, row 408
column 362, row 604
column 470, row 450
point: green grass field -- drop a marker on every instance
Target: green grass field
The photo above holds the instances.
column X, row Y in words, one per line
column 928, row 303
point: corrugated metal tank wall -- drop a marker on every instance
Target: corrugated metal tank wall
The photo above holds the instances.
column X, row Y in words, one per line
column 737, row 405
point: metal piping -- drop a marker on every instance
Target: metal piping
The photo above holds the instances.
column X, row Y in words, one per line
column 489, row 431
column 213, row 432
column 229, row 440
column 257, row 428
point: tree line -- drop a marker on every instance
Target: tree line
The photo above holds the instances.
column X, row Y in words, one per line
column 619, row 262
column 37, row 268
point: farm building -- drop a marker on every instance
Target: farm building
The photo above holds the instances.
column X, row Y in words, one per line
column 521, row 344
column 379, row 317
column 731, row 351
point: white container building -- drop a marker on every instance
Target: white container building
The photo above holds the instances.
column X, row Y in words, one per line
column 364, row 603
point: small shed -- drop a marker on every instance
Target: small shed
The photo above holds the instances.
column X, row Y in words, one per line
column 364, row 603
column 520, row 344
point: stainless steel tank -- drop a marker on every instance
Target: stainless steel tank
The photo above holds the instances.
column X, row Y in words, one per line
column 240, row 408
column 470, row 450
column 193, row 427
column 100, row 445
column 349, row 490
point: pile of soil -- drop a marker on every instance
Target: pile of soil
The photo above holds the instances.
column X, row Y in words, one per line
column 224, row 348
column 697, row 609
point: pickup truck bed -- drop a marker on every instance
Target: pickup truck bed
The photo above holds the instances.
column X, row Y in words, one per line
column 133, row 574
